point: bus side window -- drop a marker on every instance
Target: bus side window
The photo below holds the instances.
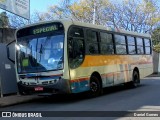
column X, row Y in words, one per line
column 106, row 43
column 75, row 47
column 140, row 47
column 120, row 44
column 92, row 42
column 131, row 45
column 147, row 44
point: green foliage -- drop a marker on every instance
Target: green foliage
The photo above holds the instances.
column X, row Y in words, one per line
column 133, row 15
column 4, row 21
column 156, row 39
column 156, row 48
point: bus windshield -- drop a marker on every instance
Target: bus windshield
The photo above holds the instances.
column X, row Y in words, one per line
column 39, row 53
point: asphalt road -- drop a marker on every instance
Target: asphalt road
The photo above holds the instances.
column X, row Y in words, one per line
column 144, row 98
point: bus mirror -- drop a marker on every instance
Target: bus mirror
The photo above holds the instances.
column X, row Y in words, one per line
column 11, row 51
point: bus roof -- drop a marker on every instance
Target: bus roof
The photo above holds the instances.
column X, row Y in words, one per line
column 89, row 25
column 110, row 29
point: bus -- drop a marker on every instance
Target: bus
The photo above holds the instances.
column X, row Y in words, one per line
column 64, row 57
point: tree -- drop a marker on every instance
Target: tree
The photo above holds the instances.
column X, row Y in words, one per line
column 136, row 15
column 133, row 15
column 16, row 21
column 38, row 17
column 81, row 10
column 156, row 39
column 4, row 21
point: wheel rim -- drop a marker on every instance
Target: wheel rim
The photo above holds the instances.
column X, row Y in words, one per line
column 94, row 87
column 136, row 80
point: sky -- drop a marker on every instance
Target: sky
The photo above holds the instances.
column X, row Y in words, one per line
column 41, row 5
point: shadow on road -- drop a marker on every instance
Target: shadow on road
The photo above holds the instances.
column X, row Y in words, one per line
column 70, row 98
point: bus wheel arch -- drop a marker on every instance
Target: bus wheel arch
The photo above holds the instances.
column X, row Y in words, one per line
column 135, row 78
column 96, row 88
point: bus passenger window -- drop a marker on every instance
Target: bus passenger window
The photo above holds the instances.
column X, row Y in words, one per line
column 106, row 43
column 120, row 44
column 147, row 44
column 75, row 47
column 92, row 42
column 131, row 45
column 76, row 52
column 93, row 48
column 140, row 49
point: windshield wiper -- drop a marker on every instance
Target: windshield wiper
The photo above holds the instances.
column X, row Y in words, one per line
column 40, row 51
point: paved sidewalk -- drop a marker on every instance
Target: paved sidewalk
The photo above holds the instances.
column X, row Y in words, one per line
column 154, row 75
column 17, row 99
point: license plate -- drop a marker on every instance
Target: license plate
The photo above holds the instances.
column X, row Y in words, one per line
column 38, row 88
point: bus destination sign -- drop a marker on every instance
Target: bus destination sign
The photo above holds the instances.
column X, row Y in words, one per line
column 40, row 29
column 45, row 29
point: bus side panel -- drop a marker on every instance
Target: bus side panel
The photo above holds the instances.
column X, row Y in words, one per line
column 66, row 71
column 143, row 63
column 104, row 65
column 113, row 69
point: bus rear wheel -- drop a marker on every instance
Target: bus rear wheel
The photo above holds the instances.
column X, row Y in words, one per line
column 135, row 79
column 95, row 87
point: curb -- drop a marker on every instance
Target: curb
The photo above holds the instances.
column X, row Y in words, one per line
column 154, row 75
column 16, row 99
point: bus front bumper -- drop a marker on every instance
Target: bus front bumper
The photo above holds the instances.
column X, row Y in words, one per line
column 58, row 88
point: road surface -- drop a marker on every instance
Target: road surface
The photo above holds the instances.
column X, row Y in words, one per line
column 144, row 98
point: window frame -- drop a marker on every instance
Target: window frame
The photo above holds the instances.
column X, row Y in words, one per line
column 81, row 38
column 113, row 33
column 142, row 46
column 120, row 44
column 147, row 46
column 97, row 42
column 103, row 43
column 128, row 44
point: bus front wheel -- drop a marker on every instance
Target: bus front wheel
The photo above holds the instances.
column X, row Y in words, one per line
column 95, row 87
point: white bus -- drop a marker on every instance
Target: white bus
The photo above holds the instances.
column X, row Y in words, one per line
column 71, row 57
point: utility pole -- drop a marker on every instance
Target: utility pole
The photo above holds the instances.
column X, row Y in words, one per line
column 94, row 12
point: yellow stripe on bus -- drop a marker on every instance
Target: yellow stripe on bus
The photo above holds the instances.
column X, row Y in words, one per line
column 101, row 60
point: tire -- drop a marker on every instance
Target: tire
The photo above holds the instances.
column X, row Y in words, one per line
column 95, row 87
column 135, row 79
